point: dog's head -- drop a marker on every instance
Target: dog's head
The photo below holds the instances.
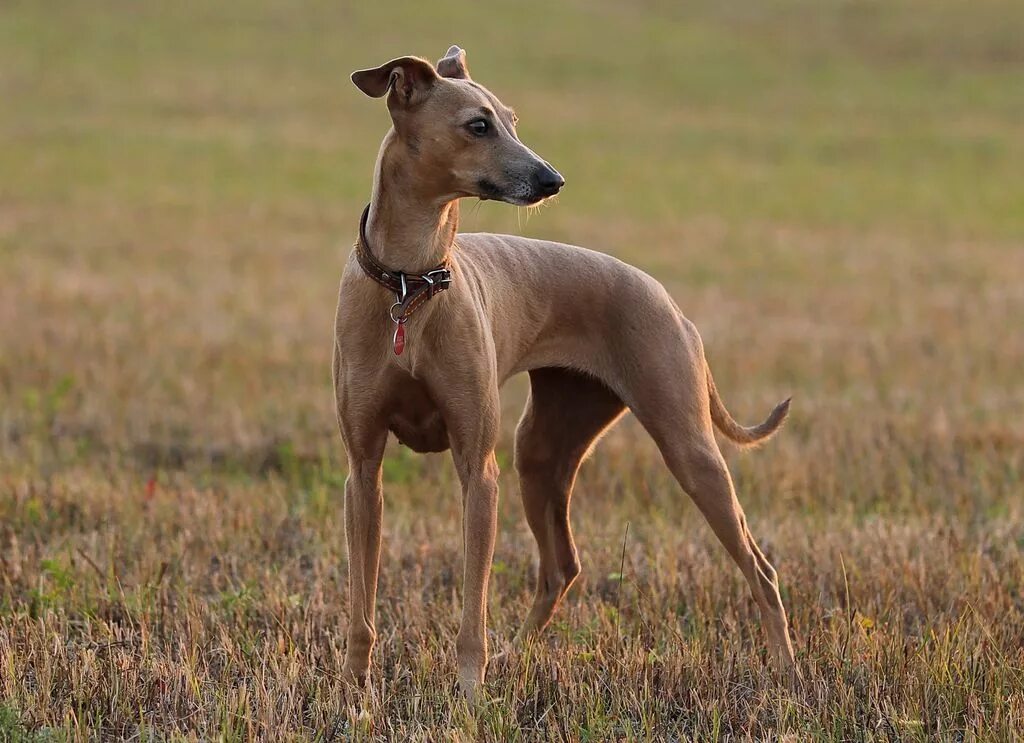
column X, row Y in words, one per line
column 457, row 132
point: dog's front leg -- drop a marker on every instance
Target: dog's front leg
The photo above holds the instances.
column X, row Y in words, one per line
column 479, row 524
column 363, row 516
column 473, row 434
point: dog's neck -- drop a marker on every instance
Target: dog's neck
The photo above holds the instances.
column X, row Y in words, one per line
column 407, row 228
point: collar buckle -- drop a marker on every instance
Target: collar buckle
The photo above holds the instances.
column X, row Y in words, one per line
column 438, row 279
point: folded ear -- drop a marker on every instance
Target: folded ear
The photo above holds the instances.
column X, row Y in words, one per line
column 408, row 78
column 453, row 64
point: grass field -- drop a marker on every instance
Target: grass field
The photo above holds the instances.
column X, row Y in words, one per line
column 833, row 193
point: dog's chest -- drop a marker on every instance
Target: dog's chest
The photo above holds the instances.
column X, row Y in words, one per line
column 415, row 419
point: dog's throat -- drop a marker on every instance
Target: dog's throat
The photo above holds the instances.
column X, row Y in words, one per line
column 411, row 290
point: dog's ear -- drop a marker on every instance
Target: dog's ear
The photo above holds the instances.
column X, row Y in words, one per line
column 408, row 78
column 453, row 64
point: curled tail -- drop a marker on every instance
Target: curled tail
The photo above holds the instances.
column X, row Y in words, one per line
column 740, row 434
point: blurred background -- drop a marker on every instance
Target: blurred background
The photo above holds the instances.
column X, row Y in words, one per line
column 832, row 191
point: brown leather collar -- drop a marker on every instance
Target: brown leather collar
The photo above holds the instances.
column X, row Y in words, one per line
column 411, row 289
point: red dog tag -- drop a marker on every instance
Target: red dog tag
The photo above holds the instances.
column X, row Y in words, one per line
column 399, row 339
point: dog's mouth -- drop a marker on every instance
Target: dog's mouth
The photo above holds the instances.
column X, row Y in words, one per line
column 533, row 200
column 520, row 193
column 489, row 190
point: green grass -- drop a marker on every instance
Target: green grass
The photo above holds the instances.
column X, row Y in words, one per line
column 831, row 190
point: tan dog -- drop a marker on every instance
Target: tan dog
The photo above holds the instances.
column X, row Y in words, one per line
column 597, row 336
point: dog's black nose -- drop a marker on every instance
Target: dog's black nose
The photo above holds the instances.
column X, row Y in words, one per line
column 549, row 180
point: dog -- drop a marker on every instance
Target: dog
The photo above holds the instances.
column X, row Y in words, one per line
column 431, row 322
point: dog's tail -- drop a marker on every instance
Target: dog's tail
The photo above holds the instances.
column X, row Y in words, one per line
column 740, row 434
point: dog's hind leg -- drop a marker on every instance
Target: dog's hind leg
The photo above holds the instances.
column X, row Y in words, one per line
column 672, row 402
column 565, row 413
column 699, row 467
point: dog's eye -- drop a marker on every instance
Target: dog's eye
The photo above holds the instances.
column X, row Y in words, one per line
column 479, row 127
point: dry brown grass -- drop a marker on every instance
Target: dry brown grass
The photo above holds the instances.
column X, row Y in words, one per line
column 172, row 223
